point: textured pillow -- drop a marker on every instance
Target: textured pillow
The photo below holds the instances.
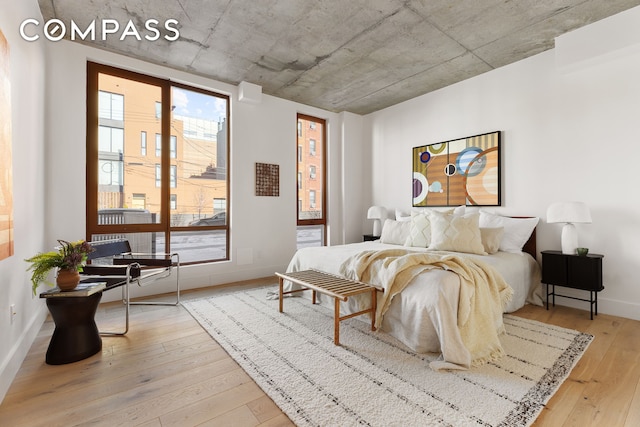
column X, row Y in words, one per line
column 395, row 232
column 491, row 238
column 516, row 230
column 456, row 233
column 419, row 230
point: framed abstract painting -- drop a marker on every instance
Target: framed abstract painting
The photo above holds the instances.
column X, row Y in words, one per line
column 464, row 171
column 6, row 186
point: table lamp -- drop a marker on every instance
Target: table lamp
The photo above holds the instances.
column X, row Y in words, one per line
column 570, row 213
column 377, row 213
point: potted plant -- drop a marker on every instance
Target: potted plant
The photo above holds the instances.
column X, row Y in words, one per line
column 69, row 259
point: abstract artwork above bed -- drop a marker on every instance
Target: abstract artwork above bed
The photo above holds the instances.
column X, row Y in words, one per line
column 463, row 171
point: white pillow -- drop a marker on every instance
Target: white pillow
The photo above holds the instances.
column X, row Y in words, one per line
column 474, row 209
column 516, row 230
column 491, row 238
column 456, row 233
column 395, row 232
column 460, row 210
column 419, row 230
column 402, row 216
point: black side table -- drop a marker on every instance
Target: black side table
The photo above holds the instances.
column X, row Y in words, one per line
column 369, row 237
column 76, row 335
column 573, row 271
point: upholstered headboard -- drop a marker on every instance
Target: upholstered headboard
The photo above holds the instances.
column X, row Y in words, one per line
column 530, row 247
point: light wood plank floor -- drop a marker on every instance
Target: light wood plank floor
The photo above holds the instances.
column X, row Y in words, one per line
column 168, row 371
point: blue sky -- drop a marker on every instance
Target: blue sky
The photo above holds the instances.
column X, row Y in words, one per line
column 198, row 105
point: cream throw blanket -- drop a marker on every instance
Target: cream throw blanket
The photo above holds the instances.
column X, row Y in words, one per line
column 483, row 293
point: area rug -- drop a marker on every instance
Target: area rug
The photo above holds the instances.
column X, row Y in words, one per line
column 374, row 380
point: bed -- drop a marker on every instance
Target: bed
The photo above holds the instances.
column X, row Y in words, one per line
column 425, row 312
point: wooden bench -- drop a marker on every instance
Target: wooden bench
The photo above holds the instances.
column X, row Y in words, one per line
column 335, row 286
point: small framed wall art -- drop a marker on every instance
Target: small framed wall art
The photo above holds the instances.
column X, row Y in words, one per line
column 464, row 171
column 267, row 180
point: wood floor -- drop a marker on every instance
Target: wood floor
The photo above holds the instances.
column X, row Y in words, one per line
column 168, row 371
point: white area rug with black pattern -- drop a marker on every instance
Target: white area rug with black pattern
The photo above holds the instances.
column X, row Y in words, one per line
column 374, row 380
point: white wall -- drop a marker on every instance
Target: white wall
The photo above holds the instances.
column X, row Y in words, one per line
column 262, row 228
column 355, row 191
column 27, row 103
column 49, row 105
column 570, row 132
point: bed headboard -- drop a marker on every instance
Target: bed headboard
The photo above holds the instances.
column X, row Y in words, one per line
column 530, row 246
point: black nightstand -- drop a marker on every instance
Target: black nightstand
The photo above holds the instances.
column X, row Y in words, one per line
column 369, row 238
column 573, row 271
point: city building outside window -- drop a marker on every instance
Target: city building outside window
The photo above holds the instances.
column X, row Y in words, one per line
column 162, row 203
column 311, row 177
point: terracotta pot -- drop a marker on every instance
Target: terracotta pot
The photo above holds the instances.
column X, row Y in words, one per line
column 67, row 280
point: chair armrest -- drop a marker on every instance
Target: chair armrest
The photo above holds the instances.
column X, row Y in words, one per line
column 146, row 259
column 111, row 270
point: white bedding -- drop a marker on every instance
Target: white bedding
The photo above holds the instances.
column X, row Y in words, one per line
column 424, row 315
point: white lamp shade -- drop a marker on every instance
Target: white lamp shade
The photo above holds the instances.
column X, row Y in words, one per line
column 569, row 212
column 377, row 213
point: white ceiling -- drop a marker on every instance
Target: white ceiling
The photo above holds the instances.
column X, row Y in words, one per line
column 340, row 55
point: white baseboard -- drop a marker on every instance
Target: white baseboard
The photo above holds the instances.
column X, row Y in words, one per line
column 10, row 366
column 191, row 280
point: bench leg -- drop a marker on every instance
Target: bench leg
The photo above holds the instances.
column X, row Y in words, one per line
column 374, row 308
column 336, row 322
column 280, row 296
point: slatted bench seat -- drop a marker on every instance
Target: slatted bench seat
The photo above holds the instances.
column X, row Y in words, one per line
column 335, row 286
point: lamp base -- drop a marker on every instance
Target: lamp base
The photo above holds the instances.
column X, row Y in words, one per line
column 569, row 239
column 377, row 227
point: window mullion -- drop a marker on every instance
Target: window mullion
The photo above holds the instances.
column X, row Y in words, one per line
column 165, row 190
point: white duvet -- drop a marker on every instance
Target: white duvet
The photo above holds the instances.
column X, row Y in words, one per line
column 424, row 315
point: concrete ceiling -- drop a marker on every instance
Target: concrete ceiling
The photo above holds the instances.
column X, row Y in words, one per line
column 340, row 55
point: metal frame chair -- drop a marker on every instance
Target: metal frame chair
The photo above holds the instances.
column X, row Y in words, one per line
column 128, row 267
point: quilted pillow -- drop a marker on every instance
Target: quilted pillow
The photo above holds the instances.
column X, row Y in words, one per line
column 491, row 238
column 419, row 230
column 395, row 232
column 456, row 233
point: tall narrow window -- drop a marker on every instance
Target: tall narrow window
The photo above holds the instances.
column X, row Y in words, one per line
column 311, row 176
column 173, row 176
column 312, row 199
column 143, row 143
column 157, row 201
column 158, row 145
column 173, row 146
column 158, row 175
